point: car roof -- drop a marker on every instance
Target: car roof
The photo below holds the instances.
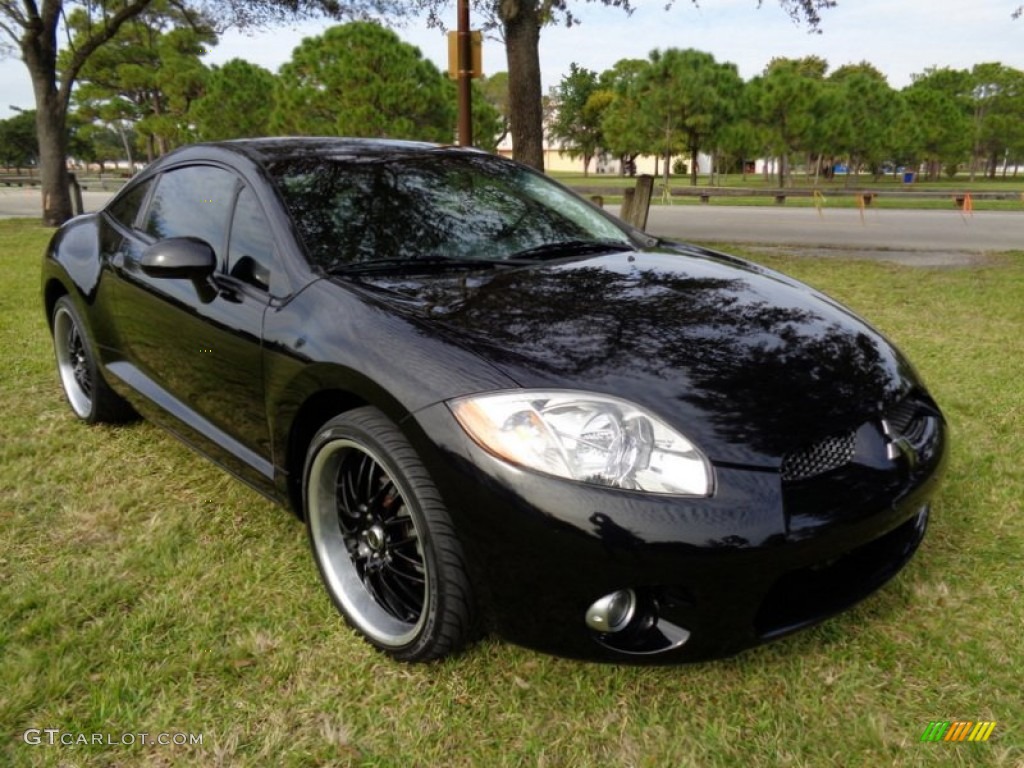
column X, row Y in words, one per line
column 268, row 150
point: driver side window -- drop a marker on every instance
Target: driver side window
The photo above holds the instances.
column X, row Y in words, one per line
column 194, row 201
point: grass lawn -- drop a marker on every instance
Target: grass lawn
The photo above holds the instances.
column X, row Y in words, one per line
column 142, row 590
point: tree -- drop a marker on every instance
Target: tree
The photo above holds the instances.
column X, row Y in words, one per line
column 237, row 102
column 32, row 26
column 93, row 142
column 741, row 139
column 787, row 101
column 745, row 137
column 18, row 144
column 178, row 82
column 520, row 22
column 627, row 132
column 904, row 136
column 361, row 79
column 148, row 74
column 490, row 125
column 869, row 107
column 33, row 29
column 580, row 104
column 938, row 100
column 998, row 96
column 692, row 98
column 494, row 90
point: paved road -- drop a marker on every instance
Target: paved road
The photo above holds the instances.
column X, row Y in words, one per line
column 27, row 201
column 910, row 232
column 899, row 230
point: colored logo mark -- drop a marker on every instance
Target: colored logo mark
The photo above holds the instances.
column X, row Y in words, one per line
column 960, row 730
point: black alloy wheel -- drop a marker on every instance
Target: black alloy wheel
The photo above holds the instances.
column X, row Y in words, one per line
column 383, row 541
column 86, row 391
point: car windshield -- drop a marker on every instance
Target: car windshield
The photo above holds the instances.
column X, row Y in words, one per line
column 429, row 207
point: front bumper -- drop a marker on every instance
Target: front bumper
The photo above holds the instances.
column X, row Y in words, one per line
column 712, row 576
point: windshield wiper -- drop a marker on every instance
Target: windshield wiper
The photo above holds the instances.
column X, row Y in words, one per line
column 570, row 248
column 411, row 264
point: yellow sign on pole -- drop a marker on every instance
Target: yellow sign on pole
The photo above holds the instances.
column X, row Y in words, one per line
column 476, row 42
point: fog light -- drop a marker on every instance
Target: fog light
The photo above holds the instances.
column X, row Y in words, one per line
column 613, row 612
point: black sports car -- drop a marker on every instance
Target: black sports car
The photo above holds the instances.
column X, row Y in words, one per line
column 496, row 406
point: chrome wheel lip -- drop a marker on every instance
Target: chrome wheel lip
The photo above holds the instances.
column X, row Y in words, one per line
column 72, row 364
column 335, row 560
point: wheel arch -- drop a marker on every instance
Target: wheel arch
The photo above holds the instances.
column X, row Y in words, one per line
column 73, row 256
column 52, row 291
column 302, row 398
column 315, row 411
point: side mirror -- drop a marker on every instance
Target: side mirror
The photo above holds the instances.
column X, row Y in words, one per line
column 181, row 257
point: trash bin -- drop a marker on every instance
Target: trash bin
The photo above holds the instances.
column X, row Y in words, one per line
column 908, row 177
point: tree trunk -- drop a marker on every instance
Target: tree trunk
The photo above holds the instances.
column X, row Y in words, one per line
column 159, row 138
column 127, row 147
column 521, row 22
column 693, row 166
column 53, row 152
column 39, row 54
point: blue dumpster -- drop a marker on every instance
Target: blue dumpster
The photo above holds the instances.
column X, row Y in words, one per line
column 908, row 177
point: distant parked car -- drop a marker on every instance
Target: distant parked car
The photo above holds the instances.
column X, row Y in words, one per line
column 493, row 404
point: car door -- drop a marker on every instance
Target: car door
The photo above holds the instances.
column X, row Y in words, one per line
column 191, row 346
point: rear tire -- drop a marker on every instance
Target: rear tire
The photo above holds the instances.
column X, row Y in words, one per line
column 383, row 541
column 84, row 386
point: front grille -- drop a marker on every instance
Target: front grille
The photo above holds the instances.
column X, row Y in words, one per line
column 828, row 454
column 908, row 419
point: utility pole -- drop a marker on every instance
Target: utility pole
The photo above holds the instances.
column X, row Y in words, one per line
column 465, row 73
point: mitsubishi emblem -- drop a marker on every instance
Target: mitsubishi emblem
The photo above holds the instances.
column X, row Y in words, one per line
column 898, row 447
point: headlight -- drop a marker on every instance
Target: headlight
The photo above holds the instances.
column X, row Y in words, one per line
column 586, row 437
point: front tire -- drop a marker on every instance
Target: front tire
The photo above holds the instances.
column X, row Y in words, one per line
column 383, row 541
column 84, row 387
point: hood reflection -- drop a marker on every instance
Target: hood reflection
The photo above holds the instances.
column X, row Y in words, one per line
column 739, row 358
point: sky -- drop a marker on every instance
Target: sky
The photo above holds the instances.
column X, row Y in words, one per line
column 899, row 37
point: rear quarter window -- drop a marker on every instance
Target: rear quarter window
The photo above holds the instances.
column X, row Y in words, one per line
column 125, row 208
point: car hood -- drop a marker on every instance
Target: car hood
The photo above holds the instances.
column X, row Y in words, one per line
column 749, row 364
